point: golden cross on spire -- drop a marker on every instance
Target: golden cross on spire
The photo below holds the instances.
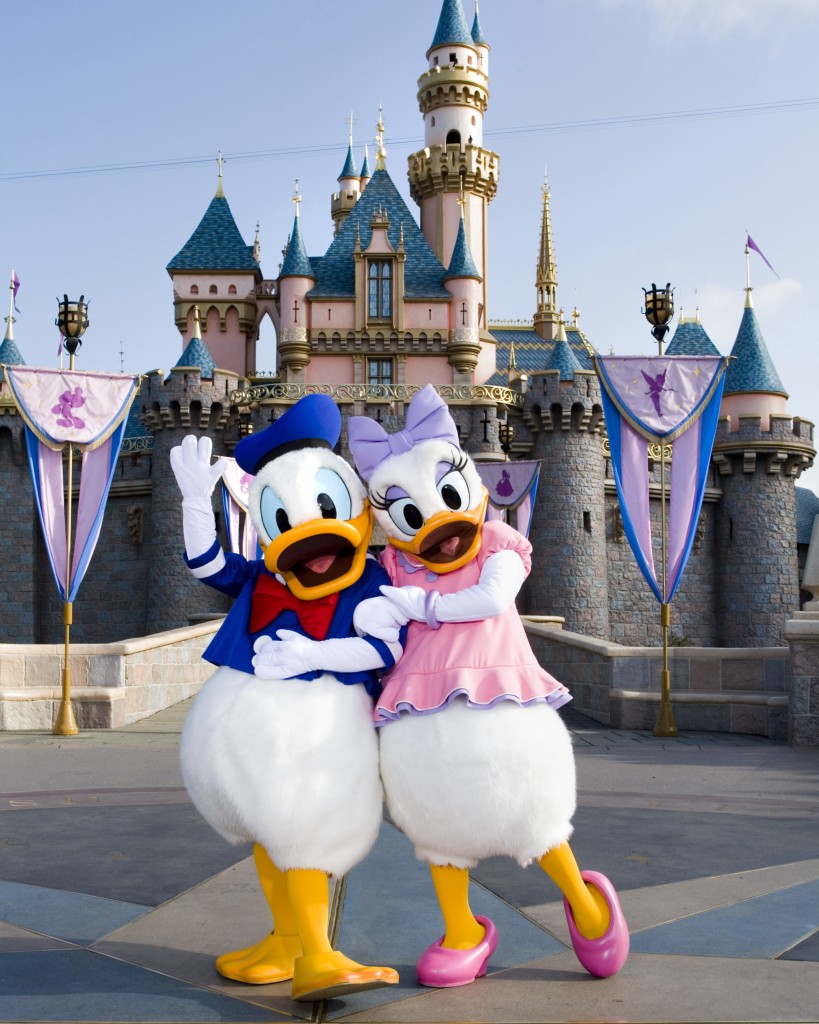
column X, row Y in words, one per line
column 381, row 153
column 297, row 197
column 219, row 162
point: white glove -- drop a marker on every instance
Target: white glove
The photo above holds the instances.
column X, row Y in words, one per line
column 501, row 578
column 408, row 602
column 380, row 618
column 293, row 655
column 196, row 477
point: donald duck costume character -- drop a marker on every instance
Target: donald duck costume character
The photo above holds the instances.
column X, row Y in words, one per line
column 279, row 747
column 475, row 760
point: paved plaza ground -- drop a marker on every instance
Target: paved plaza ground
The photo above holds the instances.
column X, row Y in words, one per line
column 115, row 896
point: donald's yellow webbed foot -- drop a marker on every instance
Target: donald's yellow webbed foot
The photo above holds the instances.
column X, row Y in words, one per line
column 325, row 975
column 265, row 963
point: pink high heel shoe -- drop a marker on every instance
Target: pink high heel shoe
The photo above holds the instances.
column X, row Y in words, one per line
column 439, row 967
column 604, row 956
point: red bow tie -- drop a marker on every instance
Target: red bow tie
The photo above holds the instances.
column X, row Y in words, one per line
column 270, row 598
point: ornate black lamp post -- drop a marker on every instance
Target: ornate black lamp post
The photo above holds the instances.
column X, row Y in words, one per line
column 72, row 321
column 659, row 309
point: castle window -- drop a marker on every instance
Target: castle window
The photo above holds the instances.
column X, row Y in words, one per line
column 453, row 138
column 380, row 373
column 213, row 289
column 453, row 57
column 379, row 290
column 433, row 121
column 468, row 60
column 232, row 289
column 435, row 62
column 194, row 289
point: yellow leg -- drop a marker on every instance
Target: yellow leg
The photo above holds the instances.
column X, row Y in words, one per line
column 462, row 931
column 271, row 959
column 323, row 972
column 591, row 914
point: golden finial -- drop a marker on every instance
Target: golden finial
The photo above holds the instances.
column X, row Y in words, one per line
column 296, row 197
column 197, row 330
column 381, row 153
column 544, row 189
column 257, row 246
column 219, row 162
column 575, row 315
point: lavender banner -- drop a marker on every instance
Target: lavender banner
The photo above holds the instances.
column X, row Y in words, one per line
column 512, row 488
column 88, row 411
column 658, row 400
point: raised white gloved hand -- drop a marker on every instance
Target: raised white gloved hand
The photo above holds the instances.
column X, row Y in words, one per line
column 293, row 655
column 196, row 477
column 380, row 618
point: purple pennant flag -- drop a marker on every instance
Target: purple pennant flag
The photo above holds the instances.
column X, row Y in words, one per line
column 15, row 287
column 752, row 245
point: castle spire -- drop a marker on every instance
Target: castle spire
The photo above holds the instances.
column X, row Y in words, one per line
column 546, row 319
column 219, row 161
column 380, row 151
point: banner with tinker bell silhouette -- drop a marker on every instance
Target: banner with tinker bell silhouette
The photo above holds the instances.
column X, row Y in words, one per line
column 660, row 400
column 88, row 411
column 235, row 490
column 512, row 490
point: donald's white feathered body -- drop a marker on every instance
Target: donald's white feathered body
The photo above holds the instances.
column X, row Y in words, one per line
column 279, row 747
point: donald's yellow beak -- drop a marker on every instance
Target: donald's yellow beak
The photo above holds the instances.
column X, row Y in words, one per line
column 322, row 556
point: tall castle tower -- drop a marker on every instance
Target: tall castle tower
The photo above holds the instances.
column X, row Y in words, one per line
column 453, row 95
column 759, row 451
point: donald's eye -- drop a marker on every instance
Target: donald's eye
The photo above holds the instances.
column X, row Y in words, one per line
column 406, row 516
column 274, row 517
column 454, row 491
column 332, row 496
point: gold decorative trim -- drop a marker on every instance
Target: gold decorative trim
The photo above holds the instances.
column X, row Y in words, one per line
column 375, row 392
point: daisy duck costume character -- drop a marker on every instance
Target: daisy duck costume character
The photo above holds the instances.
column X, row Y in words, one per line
column 279, row 747
column 475, row 759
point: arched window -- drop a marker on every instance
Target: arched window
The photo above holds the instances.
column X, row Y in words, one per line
column 213, row 290
column 194, row 289
column 453, row 138
column 232, row 288
column 379, row 290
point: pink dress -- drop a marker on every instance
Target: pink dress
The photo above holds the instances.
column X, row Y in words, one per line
column 487, row 661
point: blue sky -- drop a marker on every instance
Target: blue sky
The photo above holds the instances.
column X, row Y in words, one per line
column 706, row 115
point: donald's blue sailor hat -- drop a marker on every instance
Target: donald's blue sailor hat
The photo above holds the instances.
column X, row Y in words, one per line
column 313, row 422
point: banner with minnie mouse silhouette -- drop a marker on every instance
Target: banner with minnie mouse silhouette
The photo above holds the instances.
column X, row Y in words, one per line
column 661, row 399
column 88, row 411
column 512, row 489
column 235, row 487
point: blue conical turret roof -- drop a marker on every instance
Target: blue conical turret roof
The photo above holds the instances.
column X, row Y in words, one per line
column 10, row 354
column 462, row 264
column 751, row 369
column 563, row 359
column 478, row 37
column 452, row 26
column 365, row 167
column 296, row 262
column 216, row 244
column 196, row 354
column 691, row 339
column 349, row 169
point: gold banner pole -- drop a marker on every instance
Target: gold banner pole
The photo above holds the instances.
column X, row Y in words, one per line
column 65, row 724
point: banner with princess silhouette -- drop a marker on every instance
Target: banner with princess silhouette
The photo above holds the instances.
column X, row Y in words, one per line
column 88, row 411
column 235, row 487
column 512, row 490
column 659, row 400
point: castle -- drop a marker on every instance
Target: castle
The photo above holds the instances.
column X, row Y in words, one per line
column 391, row 305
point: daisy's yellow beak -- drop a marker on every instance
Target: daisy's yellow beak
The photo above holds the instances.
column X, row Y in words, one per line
column 448, row 540
column 322, row 556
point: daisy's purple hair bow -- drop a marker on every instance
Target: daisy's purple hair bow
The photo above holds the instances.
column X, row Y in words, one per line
column 428, row 419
